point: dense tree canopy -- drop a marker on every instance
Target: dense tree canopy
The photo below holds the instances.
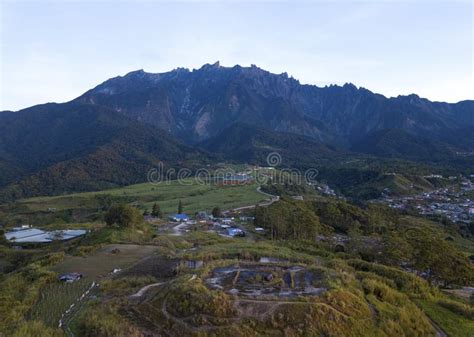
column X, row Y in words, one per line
column 440, row 259
column 374, row 234
column 288, row 219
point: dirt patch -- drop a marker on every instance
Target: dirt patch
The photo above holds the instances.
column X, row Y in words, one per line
column 156, row 266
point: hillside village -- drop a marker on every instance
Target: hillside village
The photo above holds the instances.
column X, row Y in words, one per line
column 455, row 203
column 247, row 250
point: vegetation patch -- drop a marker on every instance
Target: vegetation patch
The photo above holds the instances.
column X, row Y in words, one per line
column 448, row 320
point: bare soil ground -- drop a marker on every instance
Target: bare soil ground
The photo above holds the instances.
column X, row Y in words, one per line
column 153, row 265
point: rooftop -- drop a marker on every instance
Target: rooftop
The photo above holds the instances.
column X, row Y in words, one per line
column 35, row 235
column 179, row 216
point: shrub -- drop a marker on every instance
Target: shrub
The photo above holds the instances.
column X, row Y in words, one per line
column 125, row 285
column 18, row 293
column 51, row 259
column 410, row 283
column 103, row 321
column 36, row 329
column 348, row 303
column 365, row 274
column 193, row 297
column 84, row 250
column 398, row 316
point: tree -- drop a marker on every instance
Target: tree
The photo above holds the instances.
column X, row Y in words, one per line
column 123, row 216
column 396, row 249
column 3, row 240
column 180, row 207
column 440, row 259
column 470, row 227
column 216, row 212
column 156, row 211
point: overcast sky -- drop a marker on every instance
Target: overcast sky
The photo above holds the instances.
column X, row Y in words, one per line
column 54, row 51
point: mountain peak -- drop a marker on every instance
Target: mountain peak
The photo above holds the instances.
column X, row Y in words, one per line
column 136, row 72
column 349, row 86
column 207, row 66
column 198, row 104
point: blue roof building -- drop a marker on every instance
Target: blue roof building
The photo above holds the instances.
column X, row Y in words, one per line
column 235, row 232
column 178, row 217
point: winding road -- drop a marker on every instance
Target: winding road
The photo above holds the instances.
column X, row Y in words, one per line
column 273, row 198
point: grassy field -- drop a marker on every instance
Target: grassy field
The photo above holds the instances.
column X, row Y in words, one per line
column 195, row 197
column 103, row 261
column 452, row 324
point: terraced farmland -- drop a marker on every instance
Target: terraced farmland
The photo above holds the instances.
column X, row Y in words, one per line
column 57, row 297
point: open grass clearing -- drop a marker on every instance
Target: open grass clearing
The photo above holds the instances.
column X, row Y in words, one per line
column 194, row 196
column 451, row 323
column 104, row 260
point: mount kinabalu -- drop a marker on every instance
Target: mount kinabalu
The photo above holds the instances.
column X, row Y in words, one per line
column 113, row 133
column 199, row 104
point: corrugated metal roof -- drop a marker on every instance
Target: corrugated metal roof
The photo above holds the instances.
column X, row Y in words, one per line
column 35, row 238
column 38, row 235
column 21, row 234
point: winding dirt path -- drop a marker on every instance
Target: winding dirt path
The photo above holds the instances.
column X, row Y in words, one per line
column 143, row 290
column 273, row 198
